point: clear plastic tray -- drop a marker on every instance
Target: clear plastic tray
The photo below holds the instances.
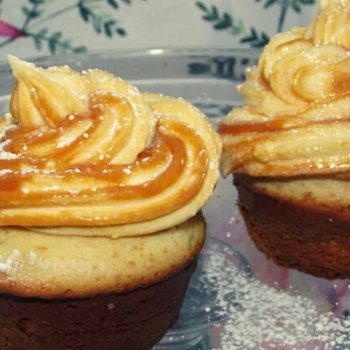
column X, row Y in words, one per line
column 237, row 299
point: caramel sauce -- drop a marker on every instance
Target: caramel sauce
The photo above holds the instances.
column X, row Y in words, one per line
column 35, row 142
column 341, row 83
column 9, row 183
column 235, row 129
column 284, row 123
column 53, row 178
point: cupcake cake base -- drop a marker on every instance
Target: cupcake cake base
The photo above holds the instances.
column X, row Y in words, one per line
column 111, row 294
column 294, row 233
column 134, row 320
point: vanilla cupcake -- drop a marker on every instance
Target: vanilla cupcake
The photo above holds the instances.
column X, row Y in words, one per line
column 289, row 146
column 101, row 189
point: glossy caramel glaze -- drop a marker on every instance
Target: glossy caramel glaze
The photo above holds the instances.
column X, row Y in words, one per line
column 115, row 157
column 296, row 120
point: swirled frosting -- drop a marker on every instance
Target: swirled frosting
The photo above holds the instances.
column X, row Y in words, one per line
column 88, row 154
column 296, row 118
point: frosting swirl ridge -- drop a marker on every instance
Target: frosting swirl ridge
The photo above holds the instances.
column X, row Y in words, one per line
column 296, row 118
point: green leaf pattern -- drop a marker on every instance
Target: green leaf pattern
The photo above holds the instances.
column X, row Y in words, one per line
column 88, row 11
column 221, row 20
column 101, row 23
column 106, row 18
column 285, row 6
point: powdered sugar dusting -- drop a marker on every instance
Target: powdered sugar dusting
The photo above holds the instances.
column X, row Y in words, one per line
column 32, row 257
column 110, row 306
column 10, row 263
column 7, row 155
column 5, row 171
column 262, row 317
column 4, row 154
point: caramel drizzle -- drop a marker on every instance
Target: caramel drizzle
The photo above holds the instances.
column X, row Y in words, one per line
column 243, row 143
column 44, row 143
column 305, row 79
column 47, row 176
column 262, row 127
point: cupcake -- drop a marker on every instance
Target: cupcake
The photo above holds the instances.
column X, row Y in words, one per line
column 101, row 189
column 289, row 146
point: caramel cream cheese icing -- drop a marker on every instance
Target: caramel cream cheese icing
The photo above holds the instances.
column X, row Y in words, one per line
column 297, row 101
column 88, row 154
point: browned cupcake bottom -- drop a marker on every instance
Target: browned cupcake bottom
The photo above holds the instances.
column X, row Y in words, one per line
column 294, row 236
column 132, row 321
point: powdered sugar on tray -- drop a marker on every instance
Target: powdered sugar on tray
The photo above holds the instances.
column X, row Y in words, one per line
column 262, row 317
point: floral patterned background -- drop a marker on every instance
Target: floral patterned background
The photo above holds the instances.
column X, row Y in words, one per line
column 310, row 313
column 40, row 27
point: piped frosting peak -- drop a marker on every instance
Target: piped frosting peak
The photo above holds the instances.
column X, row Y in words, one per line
column 94, row 156
column 297, row 101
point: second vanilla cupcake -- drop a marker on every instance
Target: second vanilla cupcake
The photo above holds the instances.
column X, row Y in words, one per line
column 289, row 147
